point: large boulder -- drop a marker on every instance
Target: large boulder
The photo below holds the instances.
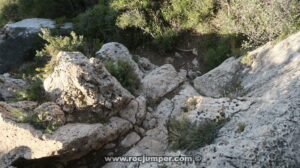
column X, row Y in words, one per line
column 18, row 40
column 72, row 141
column 113, row 51
column 82, row 84
column 216, row 82
column 161, row 81
column 263, row 130
column 270, row 137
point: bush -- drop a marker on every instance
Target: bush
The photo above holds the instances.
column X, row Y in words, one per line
column 43, row 121
column 261, row 21
column 190, row 136
column 8, row 11
column 54, row 44
column 99, row 23
column 162, row 20
column 12, row 10
column 218, row 48
column 124, row 73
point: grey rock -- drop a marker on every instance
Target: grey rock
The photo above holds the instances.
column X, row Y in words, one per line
column 112, row 52
column 10, row 86
column 161, row 81
column 69, row 142
column 135, row 111
column 82, row 84
column 131, row 139
column 215, row 82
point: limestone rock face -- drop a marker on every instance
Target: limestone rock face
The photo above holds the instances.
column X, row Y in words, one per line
column 271, row 134
column 217, row 81
column 130, row 139
column 268, row 111
column 135, row 112
column 82, row 84
column 112, row 52
column 161, row 81
column 69, row 142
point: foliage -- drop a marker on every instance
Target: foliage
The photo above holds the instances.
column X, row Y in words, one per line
column 186, row 135
column 162, row 20
column 18, row 113
column 261, row 21
column 241, row 127
column 217, row 48
column 54, row 44
column 124, row 73
column 97, row 22
column 247, row 60
column 7, row 11
column 43, row 121
column 2, row 80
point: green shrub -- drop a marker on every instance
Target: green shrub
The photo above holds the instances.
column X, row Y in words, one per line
column 55, row 44
column 241, row 127
column 163, row 20
column 8, row 11
column 97, row 22
column 189, row 136
column 247, row 60
column 261, row 21
column 43, row 121
column 124, row 73
column 53, row 8
column 218, row 48
column 12, row 10
column 18, row 113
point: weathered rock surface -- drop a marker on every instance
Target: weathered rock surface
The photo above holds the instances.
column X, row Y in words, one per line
column 216, row 82
column 82, row 84
column 268, row 110
column 25, row 106
column 130, row 139
column 112, row 52
column 161, row 81
column 271, row 135
column 10, row 86
column 68, row 142
column 135, row 112
column 263, row 130
column 53, row 111
column 16, row 40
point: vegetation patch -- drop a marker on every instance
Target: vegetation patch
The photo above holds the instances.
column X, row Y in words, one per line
column 2, row 80
column 54, row 44
column 124, row 73
column 190, row 136
column 241, row 127
column 235, row 90
column 247, row 60
column 43, row 121
column 18, row 113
